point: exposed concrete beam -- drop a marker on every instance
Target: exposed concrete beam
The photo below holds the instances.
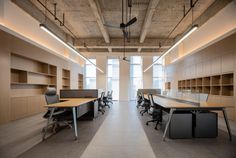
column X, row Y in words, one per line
column 119, row 54
column 109, row 49
column 118, row 43
column 99, row 18
column 148, row 19
column 139, row 49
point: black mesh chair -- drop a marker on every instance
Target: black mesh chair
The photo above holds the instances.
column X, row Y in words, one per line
column 59, row 115
column 145, row 104
column 154, row 111
column 106, row 99
column 140, row 99
column 109, row 97
column 101, row 104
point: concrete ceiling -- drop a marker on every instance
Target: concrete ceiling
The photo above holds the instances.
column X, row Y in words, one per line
column 155, row 20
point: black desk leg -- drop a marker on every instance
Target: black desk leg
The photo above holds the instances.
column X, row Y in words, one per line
column 168, row 123
column 75, row 122
column 227, row 124
column 46, row 128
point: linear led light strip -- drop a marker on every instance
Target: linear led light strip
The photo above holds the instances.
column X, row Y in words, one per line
column 46, row 29
column 172, row 47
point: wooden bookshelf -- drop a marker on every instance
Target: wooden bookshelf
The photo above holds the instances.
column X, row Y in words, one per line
column 216, row 80
column 65, row 79
column 168, row 85
column 27, row 72
column 80, row 81
column 29, row 79
column 206, row 81
column 216, row 85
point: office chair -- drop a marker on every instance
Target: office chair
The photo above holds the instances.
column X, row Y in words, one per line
column 101, row 104
column 59, row 115
column 109, row 97
column 154, row 111
column 139, row 99
column 106, row 100
column 144, row 104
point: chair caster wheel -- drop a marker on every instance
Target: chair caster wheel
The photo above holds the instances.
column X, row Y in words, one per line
column 147, row 124
column 155, row 128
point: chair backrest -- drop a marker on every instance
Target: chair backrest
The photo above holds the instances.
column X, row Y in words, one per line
column 150, row 97
column 142, row 96
column 102, row 95
column 111, row 93
column 51, row 95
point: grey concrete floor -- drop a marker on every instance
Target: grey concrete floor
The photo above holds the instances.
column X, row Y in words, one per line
column 110, row 136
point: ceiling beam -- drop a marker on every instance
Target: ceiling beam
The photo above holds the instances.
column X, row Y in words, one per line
column 118, row 43
column 139, row 49
column 99, row 18
column 148, row 19
column 109, row 49
column 118, row 54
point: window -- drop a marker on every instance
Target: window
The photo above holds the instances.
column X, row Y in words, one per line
column 113, row 77
column 136, row 76
column 158, row 74
column 90, row 75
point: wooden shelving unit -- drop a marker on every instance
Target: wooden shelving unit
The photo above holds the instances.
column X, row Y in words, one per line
column 33, row 73
column 29, row 79
column 65, row 79
column 168, row 85
column 216, row 85
column 80, row 81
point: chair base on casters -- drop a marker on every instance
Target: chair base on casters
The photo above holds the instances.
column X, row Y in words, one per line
column 154, row 120
column 143, row 111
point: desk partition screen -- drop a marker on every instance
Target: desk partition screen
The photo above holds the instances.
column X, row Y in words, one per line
column 80, row 93
column 150, row 91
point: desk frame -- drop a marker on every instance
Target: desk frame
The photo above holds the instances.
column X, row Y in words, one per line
column 74, row 116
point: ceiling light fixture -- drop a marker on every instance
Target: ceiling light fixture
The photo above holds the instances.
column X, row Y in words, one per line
column 194, row 28
column 46, row 29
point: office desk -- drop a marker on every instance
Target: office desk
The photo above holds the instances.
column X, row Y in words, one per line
column 68, row 103
column 175, row 104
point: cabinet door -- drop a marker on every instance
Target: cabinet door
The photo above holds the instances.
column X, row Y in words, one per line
column 199, row 69
column 216, row 65
column 207, row 68
column 33, row 105
column 19, row 107
column 227, row 63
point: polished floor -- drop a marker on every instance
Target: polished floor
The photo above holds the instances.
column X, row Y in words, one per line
column 122, row 133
